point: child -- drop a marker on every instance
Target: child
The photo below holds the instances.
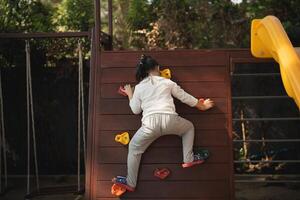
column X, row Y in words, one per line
column 153, row 96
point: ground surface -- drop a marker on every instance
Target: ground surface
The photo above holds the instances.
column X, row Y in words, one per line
column 244, row 191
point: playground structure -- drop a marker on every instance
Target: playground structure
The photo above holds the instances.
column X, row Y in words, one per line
column 269, row 40
column 110, row 112
column 206, row 76
column 203, row 73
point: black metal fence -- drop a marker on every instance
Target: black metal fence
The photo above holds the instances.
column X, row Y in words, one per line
column 265, row 124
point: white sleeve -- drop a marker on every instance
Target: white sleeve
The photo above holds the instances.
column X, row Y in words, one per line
column 182, row 95
column 135, row 103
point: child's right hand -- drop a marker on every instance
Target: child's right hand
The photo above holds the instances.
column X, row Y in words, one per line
column 205, row 104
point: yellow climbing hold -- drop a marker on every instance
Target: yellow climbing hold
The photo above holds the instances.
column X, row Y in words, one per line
column 166, row 73
column 123, row 138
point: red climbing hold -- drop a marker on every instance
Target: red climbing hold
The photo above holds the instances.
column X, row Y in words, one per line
column 162, row 173
column 121, row 91
column 201, row 100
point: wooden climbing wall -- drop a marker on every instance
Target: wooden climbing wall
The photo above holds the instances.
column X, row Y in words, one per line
column 202, row 74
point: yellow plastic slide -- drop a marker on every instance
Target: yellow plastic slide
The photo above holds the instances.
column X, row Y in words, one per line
column 269, row 40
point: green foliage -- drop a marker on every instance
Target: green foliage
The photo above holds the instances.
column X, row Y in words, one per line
column 196, row 24
column 21, row 16
column 287, row 11
column 139, row 14
column 207, row 24
column 76, row 15
column 122, row 33
column 25, row 15
column 154, row 24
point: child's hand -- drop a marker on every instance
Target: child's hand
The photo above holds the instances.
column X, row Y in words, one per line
column 205, row 105
column 128, row 90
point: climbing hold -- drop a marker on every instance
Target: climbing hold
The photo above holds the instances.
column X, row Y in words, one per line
column 123, row 138
column 201, row 100
column 202, row 153
column 162, row 173
column 166, row 73
column 117, row 190
column 121, row 91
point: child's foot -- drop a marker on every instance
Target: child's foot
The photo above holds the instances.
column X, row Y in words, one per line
column 122, row 182
column 198, row 159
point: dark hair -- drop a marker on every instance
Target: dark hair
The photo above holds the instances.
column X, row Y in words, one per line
column 145, row 65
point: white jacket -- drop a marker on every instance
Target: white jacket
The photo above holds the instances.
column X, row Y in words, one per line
column 154, row 95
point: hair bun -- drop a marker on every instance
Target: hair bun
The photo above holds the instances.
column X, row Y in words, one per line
column 143, row 56
column 142, row 60
column 145, row 64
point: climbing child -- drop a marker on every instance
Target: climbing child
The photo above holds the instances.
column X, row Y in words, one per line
column 153, row 96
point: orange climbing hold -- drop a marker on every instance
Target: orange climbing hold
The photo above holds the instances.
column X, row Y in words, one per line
column 162, row 173
column 166, row 73
column 123, row 138
column 117, row 190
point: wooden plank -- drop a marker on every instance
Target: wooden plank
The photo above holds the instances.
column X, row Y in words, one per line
column 231, row 188
column 154, row 155
column 121, row 106
column 45, row 35
column 245, row 56
column 229, row 133
column 190, row 74
column 132, row 122
column 89, row 166
column 114, row 198
column 166, row 189
column 202, row 138
column 165, row 58
column 241, row 54
column 105, row 172
column 198, row 89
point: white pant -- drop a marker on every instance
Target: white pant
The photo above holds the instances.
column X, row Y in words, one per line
column 153, row 127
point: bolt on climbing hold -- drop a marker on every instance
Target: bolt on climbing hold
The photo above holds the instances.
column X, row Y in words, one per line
column 166, row 73
column 123, row 138
column 162, row 173
column 117, row 190
column 121, row 91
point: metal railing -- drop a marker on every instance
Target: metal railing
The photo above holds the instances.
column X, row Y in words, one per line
column 259, row 97
column 268, row 119
column 269, row 178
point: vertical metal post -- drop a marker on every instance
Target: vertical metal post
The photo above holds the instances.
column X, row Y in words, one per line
column 27, row 49
column 0, row 164
column 79, row 118
column 110, row 24
column 3, row 139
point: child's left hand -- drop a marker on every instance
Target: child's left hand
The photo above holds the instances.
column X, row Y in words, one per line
column 128, row 90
